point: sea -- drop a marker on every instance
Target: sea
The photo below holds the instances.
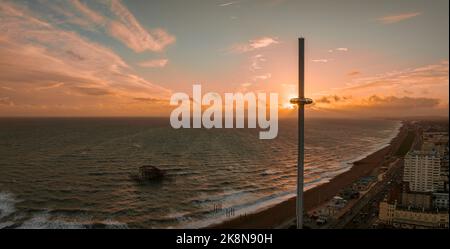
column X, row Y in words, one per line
column 75, row 172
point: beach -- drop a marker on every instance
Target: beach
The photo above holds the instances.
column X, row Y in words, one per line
column 274, row 216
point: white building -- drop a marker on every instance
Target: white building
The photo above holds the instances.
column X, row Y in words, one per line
column 423, row 171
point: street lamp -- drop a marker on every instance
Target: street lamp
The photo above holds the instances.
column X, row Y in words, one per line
column 301, row 101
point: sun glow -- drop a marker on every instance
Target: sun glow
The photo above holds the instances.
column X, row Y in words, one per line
column 288, row 106
column 286, row 102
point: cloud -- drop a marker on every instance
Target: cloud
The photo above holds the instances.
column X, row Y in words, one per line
column 321, row 60
column 89, row 13
column 128, row 30
column 378, row 105
column 398, row 17
column 110, row 17
column 323, row 100
column 377, row 101
column 262, row 42
column 256, row 66
column 6, row 101
column 332, row 99
column 63, row 66
column 256, row 62
column 434, row 74
column 393, row 102
column 227, row 4
column 262, row 77
column 154, row 63
column 354, row 73
column 6, row 88
column 338, row 50
column 258, row 59
column 94, row 91
column 162, row 103
column 408, row 92
column 255, row 44
column 50, row 86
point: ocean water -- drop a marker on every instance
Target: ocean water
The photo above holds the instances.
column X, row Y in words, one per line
column 74, row 173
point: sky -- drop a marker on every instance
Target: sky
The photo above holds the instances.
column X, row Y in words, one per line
column 126, row 58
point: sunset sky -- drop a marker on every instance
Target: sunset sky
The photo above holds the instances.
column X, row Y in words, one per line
column 126, row 58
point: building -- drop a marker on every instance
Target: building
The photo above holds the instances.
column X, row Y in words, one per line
column 396, row 216
column 435, row 140
column 417, row 200
column 444, row 171
column 440, row 200
column 364, row 183
column 422, row 200
column 422, row 171
column 338, row 202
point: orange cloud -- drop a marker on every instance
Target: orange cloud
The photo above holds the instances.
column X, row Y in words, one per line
column 67, row 69
column 434, row 74
column 256, row 62
column 338, row 50
column 354, row 73
column 6, row 101
column 254, row 44
column 154, row 63
column 398, row 18
column 262, row 77
column 86, row 11
column 378, row 105
column 320, row 60
column 117, row 22
column 128, row 30
column 408, row 92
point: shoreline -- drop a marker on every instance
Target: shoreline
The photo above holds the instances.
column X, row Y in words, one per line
column 284, row 211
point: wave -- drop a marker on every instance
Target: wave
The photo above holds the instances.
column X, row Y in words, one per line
column 267, row 202
column 7, row 208
column 346, row 165
column 239, row 210
column 7, row 204
column 44, row 220
column 248, row 178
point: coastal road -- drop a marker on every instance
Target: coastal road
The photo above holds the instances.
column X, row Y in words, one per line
column 367, row 206
column 365, row 211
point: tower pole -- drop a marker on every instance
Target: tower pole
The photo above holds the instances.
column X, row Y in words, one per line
column 301, row 101
column 301, row 129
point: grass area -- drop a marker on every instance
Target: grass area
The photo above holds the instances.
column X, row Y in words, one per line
column 406, row 144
